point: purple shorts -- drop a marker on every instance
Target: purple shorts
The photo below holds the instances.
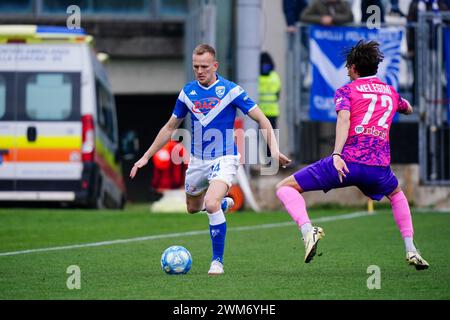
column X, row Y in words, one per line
column 374, row 181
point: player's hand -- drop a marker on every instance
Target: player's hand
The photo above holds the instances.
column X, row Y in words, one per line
column 139, row 164
column 291, row 29
column 340, row 167
column 282, row 159
column 326, row 20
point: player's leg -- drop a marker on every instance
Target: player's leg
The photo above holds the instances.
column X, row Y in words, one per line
column 217, row 223
column 220, row 180
column 402, row 217
column 378, row 182
column 196, row 184
column 289, row 192
column 195, row 203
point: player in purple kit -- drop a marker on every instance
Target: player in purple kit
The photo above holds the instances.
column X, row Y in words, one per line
column 365, row 108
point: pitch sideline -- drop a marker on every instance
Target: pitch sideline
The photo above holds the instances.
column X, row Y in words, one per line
column 184, row 234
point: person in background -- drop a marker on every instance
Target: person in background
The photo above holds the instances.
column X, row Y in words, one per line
column 269, row 89
column 292, row 10
column 395, row 9
column 327, row 12
column 413, row 13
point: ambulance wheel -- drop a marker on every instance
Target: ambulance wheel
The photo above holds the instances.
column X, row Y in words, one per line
column 100, row 198
column 122, row 203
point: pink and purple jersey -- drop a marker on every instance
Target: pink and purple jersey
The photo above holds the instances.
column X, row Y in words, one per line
column 372, row 105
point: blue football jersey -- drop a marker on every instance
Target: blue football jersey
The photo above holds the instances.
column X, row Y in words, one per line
column 213, row 111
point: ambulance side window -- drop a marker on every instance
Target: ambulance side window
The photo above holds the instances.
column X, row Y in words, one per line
column 105, row 111
column 48, row 96
column 7, row 99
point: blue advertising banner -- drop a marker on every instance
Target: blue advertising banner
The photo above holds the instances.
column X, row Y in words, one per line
column 327, row 52
column 447, row 68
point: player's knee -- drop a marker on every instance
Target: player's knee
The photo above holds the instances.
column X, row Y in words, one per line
column 283, row 183
column 280, row 185
column 288, row 182
column 395, row 192
column 192, row 208
column 212, row 205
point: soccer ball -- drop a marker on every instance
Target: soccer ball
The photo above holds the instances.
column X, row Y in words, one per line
column 176, row 260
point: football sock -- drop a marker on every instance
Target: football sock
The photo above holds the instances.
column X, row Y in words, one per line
column 307, row 227
column 402, row 217
column 217, row 231
column 295, row 205
column 409, row 244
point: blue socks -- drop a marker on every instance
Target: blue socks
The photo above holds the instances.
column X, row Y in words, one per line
column 217, row 231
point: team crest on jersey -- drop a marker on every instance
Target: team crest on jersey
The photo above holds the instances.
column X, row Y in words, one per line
column 220, row 91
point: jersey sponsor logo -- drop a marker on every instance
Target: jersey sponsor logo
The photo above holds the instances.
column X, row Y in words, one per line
column 376, row 133
column 359, row 129
column 220, row 91
column 193, row 93
column 203, row 106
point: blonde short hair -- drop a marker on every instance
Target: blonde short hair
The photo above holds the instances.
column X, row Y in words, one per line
column 204, row 48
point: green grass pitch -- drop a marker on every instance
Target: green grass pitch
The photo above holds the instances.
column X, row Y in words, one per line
column 260, row 262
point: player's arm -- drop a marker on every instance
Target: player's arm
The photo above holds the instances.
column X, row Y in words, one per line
column 161, row 139
column 405, row 107
column 342, row 127
column 257, row 115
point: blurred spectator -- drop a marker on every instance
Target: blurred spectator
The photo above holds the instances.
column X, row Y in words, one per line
column 292, row 10
column 327, row 12
column 413, row 17
column 366, row 4
column 269, row 90
column 395, row 9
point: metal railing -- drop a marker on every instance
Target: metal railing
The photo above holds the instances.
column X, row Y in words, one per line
column 422, row 81
column 434, row 131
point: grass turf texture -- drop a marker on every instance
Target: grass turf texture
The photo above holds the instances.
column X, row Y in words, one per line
column 259, row 264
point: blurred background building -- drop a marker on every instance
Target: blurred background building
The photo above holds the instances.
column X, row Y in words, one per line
column 145, row 43
column 149, row 44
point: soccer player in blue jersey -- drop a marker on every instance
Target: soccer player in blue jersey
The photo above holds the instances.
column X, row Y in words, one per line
column 212, row 102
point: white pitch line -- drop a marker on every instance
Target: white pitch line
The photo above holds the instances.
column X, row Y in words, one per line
column 183, row 234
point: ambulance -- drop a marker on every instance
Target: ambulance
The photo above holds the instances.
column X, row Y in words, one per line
column 58, row 124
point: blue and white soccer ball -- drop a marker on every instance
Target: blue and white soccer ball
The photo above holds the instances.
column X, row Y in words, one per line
column 176, row 260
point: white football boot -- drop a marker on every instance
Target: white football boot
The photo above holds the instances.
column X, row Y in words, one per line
column 414, row 259
column 311, row 240
column 216, row 268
